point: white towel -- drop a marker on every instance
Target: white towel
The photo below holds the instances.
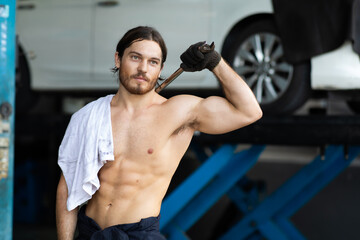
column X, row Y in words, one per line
column 85, row 148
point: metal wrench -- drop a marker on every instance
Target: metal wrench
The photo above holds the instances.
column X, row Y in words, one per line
column 203, row 48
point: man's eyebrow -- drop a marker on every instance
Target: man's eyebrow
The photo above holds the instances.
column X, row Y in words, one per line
column 135, row 53
column 153, row 58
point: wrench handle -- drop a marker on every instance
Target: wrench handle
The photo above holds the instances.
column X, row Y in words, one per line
column 204, row 49
column 169, row 80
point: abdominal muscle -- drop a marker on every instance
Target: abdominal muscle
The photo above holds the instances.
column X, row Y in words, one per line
column 129, row 191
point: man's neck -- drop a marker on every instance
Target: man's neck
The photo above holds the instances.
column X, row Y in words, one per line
column 132, row 102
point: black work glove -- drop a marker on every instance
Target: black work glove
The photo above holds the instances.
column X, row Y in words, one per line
column 194, row 60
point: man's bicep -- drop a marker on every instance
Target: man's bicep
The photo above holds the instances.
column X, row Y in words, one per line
column 216, row 115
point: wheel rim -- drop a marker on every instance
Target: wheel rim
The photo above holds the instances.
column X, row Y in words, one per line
column 259, row 60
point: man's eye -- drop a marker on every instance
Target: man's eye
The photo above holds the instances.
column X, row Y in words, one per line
column 134, row 57
column 154, row 62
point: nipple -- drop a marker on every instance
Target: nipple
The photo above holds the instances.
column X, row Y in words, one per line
column 150, row 151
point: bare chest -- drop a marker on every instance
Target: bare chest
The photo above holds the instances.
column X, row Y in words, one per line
column 137, row 138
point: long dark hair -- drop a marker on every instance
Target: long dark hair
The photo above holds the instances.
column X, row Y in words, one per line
column 138, row 34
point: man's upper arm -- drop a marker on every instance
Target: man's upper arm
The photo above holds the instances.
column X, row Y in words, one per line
column 216, row 115
column 62, row 190
column 213, row 115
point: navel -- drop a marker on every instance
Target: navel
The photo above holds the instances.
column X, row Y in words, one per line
column 150, row 151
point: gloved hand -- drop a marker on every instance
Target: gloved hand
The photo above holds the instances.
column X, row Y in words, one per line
column 194, row 60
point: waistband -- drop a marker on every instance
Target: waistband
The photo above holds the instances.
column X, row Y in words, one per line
column 150, row 223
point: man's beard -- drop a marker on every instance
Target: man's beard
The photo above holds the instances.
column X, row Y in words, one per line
column 137, row 89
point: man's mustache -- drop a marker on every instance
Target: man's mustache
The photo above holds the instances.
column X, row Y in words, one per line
column 140, row 74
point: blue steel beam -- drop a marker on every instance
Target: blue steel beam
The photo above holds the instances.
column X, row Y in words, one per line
column 328, row 174
column 228, row 176
column 244, row 201
column 7, row 96
column 283, row 195
column 275, row 210
column 183, row 194
column 291, row 231
column 319, row 183
column 271, row 231
column 241, row 198
column 270, row 218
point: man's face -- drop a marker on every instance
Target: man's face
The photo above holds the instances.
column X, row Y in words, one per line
column 140, row 66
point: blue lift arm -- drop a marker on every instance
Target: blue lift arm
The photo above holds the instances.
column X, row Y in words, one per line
column 270, row 219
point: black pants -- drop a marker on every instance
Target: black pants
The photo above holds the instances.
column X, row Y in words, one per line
column 147, row 228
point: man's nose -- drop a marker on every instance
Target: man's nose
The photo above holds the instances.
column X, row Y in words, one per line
column 142, row 66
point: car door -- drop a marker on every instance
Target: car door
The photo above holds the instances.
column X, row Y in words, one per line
column 56, row 36
column 180, row 22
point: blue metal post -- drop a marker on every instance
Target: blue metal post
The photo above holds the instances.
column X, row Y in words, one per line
column 271, row 217
column 7, row 100
column 204, row 187
column 181, row 196
column 227, row 177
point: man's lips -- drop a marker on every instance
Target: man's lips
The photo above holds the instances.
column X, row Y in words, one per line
column 140, row 78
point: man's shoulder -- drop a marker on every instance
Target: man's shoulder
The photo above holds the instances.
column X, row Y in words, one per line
column 183, row 99
column 86, row 110
column 180, row 104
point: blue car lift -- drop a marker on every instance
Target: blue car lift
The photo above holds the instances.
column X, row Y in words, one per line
column 220, row 174
column 7, row 99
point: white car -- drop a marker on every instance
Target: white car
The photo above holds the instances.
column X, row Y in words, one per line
column 68, row 46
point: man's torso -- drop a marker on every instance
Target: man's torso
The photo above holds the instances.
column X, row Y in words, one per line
column 148, row 146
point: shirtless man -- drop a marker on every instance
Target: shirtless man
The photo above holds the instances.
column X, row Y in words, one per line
column 152, row 133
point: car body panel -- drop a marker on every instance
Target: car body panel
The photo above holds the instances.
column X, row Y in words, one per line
column 56, row 38
column 70, row 44
column 336, row 70
column 180, row 22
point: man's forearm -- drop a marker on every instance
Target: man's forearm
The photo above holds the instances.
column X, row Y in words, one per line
column 236, row 90
column 65, row 220
column 66, row 224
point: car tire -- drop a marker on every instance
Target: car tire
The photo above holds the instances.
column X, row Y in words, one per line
column 256, row 53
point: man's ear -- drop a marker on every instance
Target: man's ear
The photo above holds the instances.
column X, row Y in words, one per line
column 117, row 60
column 161, row 70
